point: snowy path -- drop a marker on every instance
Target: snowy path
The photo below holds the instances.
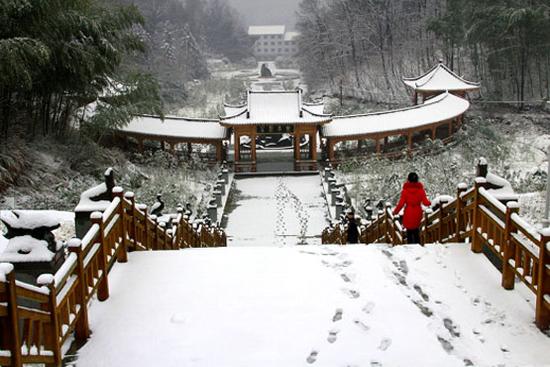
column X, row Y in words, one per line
column 277, row 211
column 312, row 306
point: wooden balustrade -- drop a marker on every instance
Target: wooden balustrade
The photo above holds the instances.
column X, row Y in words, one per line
column 35, row 321
column 491, row 227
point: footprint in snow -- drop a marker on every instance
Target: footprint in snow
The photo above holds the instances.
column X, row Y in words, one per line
column 375, row 364
column 362, row 325
column 345, row 277
column 312, row 357
column 332, row 335
column 385, row 344
column 368, row 307
column 352, row 293
column 177, row 318
column 337, row 315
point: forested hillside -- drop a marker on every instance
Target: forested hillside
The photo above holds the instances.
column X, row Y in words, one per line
column 369, row 45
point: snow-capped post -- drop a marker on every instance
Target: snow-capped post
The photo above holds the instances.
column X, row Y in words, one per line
column 508, row 275
column 476, row 244
column 48, row 280
column 387, row 219
column 82, row 327
column 442, row 203
column 9, row 295
column 118, row 192
column 542, row 318
column 103, row 288
column 460, row 189
column 145, row 237
column 132, row 230
column 546, row 221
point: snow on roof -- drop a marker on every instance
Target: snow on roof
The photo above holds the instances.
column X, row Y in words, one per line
column 290, row 36
column 231, row 110
column 438, row 109
column 260, row 30
column 276, row 107
column 440, row 78
column 316, row 108
column 176, row 127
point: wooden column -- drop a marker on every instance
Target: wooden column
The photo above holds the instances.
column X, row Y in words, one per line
column 313, row 144
column 415, row 98
column 450, row 126
column 508, row 275
column 377, row 146
column 189, row 149
column 253, row 150
column 409, row 142
column 236, row 146
column 140, row 144
column 219, row 147
column 434, row 130
column 330, row 150
column 297, row 137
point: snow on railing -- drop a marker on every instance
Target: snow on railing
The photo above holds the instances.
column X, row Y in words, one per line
column 57, row 308
column 490, row 226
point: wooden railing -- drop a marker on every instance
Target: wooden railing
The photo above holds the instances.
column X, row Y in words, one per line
column 35, row 321
column 476, row 217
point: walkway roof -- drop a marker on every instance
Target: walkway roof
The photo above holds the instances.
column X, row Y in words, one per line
column 275, row 107
column 438, row 79
column 441, row 108
column 260, row 30
column 178, row 128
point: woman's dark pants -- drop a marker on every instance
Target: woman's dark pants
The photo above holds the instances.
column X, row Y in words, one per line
column 413, row 236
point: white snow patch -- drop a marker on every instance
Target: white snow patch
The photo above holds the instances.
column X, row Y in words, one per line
column 31, row 219
column 26, row 249
column 334, row 305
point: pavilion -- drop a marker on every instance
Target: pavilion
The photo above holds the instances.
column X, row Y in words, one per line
column 284, row 113
column 277, row 112
column 438, row 80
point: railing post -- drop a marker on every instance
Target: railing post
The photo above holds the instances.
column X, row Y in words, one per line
column 122, row 253
column 103, row 287
column 542, row 317
column 440, row 227
column 387, row 222
column 460, row 189
column 132, row 231
column 12, row 336
column 508, row 275
column 145, row 238
column 53, row 336
column 476, row 244
column 82, row 327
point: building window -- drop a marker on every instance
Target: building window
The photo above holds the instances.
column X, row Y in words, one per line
column 272, row 50
column 286, row 49
column 279, row 50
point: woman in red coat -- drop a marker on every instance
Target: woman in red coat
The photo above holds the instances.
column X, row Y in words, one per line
column 412, row 196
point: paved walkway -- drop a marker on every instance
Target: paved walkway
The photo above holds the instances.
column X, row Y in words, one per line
column 277, row 211
column 319, row 306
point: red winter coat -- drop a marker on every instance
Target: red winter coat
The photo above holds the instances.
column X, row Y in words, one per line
column 412, row 196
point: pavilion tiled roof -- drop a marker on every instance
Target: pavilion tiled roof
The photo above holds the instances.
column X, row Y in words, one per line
column 176, row 127
column 439, row 79
column 441, row 108
column 276, row 107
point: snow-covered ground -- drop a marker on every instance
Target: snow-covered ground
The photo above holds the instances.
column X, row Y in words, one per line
column 310, row 305
column 277, row 211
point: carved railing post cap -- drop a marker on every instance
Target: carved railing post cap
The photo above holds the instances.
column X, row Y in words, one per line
column 512, row 205
column 482, row 161
column 96, row 216
column 129, row 195
column 141, row 206
column 429, row 211
column 74, row 243
column 5, row 269
column 45, row 279
column 545, row 232
column 462, row 186
column 388, row 204
column 118, row 190
column 480, row 180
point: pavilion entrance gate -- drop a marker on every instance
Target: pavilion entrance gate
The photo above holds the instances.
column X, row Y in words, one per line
column 302, row 138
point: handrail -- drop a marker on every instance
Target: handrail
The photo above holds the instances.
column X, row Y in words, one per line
column 34, row 333
column 477, row 217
